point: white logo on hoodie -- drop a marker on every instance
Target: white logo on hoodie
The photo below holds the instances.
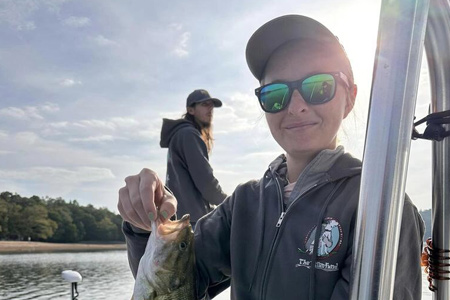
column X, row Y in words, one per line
column 330, row 239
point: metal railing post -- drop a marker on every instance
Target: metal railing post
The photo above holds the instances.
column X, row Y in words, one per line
column 437, row 44
column 393, row 97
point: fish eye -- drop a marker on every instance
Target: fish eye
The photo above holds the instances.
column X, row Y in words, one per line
column 182, row 246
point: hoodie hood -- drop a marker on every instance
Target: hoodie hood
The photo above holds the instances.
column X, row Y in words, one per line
column 169, row 128
column 344, row 166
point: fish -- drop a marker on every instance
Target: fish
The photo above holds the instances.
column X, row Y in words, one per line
column 167, row 269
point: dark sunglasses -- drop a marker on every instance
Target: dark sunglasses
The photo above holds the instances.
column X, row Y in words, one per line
column 315, row 89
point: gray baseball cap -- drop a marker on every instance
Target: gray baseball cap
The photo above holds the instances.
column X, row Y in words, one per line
column 201, row 95
column 270, row 36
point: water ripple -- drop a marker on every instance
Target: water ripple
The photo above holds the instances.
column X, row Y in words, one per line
column 106, row 275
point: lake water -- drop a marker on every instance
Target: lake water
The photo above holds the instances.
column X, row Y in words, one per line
column 105, row 276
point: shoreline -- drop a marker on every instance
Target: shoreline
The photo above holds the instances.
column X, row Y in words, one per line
column 17, row 247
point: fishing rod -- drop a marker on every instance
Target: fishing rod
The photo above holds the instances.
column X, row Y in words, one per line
column 73, row 277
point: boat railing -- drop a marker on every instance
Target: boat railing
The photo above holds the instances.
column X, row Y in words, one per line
column 403, row 27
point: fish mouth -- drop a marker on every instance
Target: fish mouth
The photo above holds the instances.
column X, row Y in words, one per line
column 169, row 227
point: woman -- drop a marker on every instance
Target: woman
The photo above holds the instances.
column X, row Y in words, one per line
column 290, row 234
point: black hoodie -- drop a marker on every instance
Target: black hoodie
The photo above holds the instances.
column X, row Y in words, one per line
column 268, row 257
column 189, row 175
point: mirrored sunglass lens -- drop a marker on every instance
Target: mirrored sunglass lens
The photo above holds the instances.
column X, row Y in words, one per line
column 318, row 89
column 274, row 97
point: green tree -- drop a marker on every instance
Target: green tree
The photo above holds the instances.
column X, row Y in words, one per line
column 56, row 220
column 67, row 231
column 106, row 230
column 39, row 226
column 16, row 224
column 3, row 218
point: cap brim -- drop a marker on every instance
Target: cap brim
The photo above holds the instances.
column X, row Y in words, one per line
column 279, row 31
column 217, row 102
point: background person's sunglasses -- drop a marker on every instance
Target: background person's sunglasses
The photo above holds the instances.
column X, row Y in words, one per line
column 315, row 89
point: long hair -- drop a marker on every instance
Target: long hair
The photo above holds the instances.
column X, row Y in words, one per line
column 204, row 129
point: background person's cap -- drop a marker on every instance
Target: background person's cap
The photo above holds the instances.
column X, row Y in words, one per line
column 201, row 96
column 279, row 31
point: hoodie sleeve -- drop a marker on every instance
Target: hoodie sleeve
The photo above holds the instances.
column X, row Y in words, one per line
column 212, row 250
column 408, row 275
column 195, row 154
column 136, row 239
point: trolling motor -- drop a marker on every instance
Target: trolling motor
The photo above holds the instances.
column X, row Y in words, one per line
column 73, row 277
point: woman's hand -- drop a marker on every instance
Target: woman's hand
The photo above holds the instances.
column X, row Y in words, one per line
column 144, row 199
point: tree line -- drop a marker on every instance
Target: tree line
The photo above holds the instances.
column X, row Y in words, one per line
column 55, row 220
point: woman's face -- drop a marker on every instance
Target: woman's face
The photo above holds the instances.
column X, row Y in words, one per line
column 302, row 128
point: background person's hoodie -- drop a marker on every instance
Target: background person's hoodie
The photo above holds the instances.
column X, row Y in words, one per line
column 189, row 175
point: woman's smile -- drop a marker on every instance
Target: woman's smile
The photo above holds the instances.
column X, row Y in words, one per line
column 300, row 125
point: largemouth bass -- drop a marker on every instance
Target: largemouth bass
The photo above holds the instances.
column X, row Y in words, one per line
column 166, row 270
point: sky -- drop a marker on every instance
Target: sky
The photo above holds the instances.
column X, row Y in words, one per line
column 84, row 86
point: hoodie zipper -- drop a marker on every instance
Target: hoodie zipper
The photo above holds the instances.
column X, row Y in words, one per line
column 278, row 225
column 283, row 214
column 280, row 198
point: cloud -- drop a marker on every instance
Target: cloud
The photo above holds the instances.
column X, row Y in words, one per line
column 17, row 13
column 58, row 125
column 113, row 90
column 130, row 129
column 58, row 175
column 77, row 22
column 181, row 48
column 19, row 113
column 25, row 138
column 54, row 129
column 99, row 124
column 176, row 26
column 29, row 112
column 54, row 6
column 13, row 112
column 104, row 42
column 100, row 138
column 125, row 122
column 111, row 129
column 68, row 82
column 240, row 113
column 49, row 107
column 27, row 26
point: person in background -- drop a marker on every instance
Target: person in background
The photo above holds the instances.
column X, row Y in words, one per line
column 288, row 235
column 189, row 141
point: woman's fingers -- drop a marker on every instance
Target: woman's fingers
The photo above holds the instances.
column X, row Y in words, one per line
column 168, row 205
column 144, row 199
column 137, row 202
column 127, row 211
column 149, row 190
